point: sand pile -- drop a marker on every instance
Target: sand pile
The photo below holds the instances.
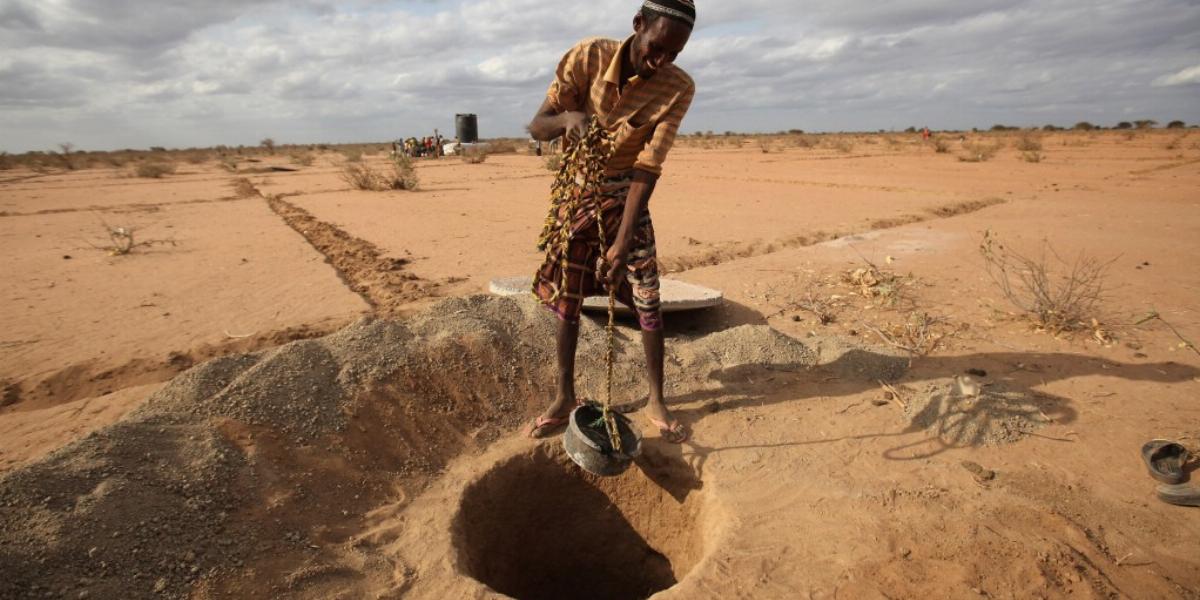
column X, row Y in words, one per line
column 260, row 454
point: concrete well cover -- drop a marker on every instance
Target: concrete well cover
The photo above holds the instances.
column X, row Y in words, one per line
column 676, row 295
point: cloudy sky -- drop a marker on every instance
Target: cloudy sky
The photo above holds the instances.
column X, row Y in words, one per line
column 107, row 74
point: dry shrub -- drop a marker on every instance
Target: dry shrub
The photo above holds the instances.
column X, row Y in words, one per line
column 554, row 162
column 1056, row 297
column 304, row 159
column 352, row 155
column 475, row 155
column 6, row 161
column 1028, row 143
column 940, row 145
column 229, row 163
column 884, row 288
column 803, row 141
column 122, row 241
column 402, row 176
column 813, row 303
column 919, row 335
column 1031, row 156
column 975, row 152
column 1175, row 143
column 765, row 145
column 154, row 170
column 842, row 145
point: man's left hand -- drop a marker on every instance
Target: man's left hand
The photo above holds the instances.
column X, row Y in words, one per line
column 615, row 259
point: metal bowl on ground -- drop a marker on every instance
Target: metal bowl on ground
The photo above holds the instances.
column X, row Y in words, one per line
column 586, row 442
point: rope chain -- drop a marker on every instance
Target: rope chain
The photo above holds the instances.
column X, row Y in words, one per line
column 580, row 176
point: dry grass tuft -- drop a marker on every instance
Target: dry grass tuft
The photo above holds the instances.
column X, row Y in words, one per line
column 554, row 162
column 941, row 145
column 975, row 152
column 154, row 170
column 1056, row 298
column 1031, row 156
column 402, row 176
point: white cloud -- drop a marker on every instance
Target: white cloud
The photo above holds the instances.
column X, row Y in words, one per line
column 114, row 73
column 1185, row 77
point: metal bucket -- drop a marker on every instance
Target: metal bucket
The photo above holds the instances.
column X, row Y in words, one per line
column 586, row 442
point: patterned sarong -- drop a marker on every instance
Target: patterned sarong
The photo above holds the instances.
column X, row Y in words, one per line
column 639, row 288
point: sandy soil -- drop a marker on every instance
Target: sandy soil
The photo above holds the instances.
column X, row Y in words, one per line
column 326, row 468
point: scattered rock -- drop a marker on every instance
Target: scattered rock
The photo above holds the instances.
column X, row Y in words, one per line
column 981, row 474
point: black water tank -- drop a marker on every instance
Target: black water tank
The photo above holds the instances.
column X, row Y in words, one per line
column 467, row 128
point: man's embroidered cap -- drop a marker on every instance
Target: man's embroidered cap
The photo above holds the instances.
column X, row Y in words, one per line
column 682, row 10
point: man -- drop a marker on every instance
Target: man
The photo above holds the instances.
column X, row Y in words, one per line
column 640, row 97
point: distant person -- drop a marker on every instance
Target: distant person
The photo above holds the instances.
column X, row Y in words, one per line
column 925, row 133
column 639, row 95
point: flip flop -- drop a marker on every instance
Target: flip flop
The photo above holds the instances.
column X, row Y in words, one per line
column 674, row 432
column 1164, row 460
column 541, row 427
column 1179, row 495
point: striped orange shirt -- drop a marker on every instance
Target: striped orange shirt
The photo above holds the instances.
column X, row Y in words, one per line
column 644, row 118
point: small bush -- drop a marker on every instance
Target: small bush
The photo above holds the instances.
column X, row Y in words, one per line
column 268, row 144
column 1056, row 298
column 941, row 145
column 976, row 152
column 1028, row 143
column 1031, row 156
column 1176, row 125
column 842, row 145
column 6, row 161
column 765, row 146
column 803, row 141
column 352, row 155
column 475, row 155
column 154, row 170
column 554, row 162
column 363, row 177
column 1084, row 126
column 123, row 240
column 304, row 159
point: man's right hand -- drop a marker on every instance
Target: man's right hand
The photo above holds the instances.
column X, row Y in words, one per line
column 574, row 124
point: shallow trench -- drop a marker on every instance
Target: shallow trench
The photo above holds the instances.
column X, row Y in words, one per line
column 536, row 526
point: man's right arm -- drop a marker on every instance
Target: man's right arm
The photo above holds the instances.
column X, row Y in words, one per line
column 564, row 109
column 549, row 124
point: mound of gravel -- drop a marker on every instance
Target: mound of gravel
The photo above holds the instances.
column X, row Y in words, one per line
column 136, row 509
column 151, row 505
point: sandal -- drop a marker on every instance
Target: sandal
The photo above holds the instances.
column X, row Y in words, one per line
column 1179, row 495
column 1164, row 460
column 542, row 427
column 673, row 432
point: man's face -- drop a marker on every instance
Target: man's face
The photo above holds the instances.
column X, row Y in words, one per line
column 656, row 44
